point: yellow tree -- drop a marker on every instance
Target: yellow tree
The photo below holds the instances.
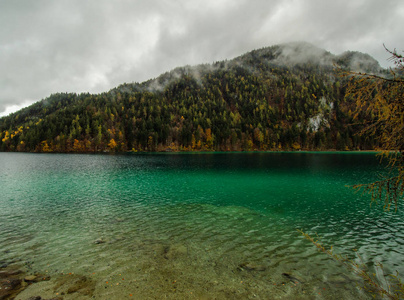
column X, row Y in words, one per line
column 77, row 146
column 112, row 144
column 193, row 142
column 382, row 98
column 45, row 147
column 209, row 138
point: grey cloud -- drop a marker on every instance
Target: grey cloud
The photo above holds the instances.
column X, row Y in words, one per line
column 75, row 46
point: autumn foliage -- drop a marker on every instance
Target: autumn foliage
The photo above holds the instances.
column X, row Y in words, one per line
column 381, row 100
column 253, row 102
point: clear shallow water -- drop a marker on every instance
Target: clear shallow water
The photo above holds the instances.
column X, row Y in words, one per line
column 180, row 225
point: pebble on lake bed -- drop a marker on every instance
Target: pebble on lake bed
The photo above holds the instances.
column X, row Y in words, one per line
column 30, row 278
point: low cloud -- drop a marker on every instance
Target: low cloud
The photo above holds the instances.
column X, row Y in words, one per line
column 92, row 46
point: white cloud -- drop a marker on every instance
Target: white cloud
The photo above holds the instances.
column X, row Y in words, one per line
column 73, row 46
column 15, row 107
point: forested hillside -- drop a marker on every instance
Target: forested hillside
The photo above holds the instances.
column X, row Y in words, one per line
column 284, row 97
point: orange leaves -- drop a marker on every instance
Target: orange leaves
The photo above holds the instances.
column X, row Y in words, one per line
column 112, row 144
column 45, row 147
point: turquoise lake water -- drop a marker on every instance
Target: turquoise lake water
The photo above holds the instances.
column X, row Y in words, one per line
column 195, row 226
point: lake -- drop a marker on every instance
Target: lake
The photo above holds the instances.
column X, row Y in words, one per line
column 193, row 226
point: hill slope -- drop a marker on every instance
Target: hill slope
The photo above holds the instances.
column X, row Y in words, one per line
column 280, row 97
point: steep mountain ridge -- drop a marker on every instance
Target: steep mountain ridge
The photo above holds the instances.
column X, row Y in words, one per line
column 281, row 97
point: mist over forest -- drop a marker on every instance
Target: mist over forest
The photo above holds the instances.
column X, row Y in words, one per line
column 284, row 97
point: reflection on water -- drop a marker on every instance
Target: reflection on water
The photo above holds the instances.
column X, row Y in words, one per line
column 193, row 225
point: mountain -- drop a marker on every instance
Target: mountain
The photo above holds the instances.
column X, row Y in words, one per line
column 281, row 97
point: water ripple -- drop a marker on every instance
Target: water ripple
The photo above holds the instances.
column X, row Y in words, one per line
column 198, row 218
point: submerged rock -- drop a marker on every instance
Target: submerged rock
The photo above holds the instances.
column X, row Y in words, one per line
column 251, row 267
column 3, row 264
column 117, row 239
column 9, row 287
column 99, row 241
column 30, row 278
column 8, row 273
column 175, row 251
column 75, row 284
column 13, row 282
column 36, row 278
column 40, row 298
column 292, row 278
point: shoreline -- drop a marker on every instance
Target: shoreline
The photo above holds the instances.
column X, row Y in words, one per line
column 330, row 151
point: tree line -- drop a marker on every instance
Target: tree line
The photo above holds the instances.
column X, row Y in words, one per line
column 249, row 103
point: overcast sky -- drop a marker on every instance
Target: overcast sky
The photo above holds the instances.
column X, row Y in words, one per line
column 92, row 46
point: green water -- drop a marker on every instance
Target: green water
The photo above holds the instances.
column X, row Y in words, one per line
column 180, row 225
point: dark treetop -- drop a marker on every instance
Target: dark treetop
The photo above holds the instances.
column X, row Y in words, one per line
column 282, row 97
